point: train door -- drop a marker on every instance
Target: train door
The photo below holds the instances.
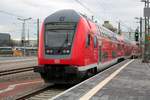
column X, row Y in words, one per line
column 99, row 41
column 95, row 48
column 100, row 54
column 88, row 49
column 100, row 51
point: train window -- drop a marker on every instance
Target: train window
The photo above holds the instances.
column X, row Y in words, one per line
column 59, row 35
column 98, row 31
column 119, row 47
column 95, row 42
column 114, row 54
column 88, row 40
column 100, row 53
column 105, row 56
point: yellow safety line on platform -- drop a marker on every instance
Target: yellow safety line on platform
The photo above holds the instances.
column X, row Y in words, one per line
column 97, row 88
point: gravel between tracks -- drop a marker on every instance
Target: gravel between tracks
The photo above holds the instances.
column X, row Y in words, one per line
column 20, row 76
column 49, row 92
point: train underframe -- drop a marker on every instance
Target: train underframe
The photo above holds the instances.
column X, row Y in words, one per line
column 63, row 74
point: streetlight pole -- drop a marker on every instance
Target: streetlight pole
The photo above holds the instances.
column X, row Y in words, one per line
column 28, row 37
column 23, row 35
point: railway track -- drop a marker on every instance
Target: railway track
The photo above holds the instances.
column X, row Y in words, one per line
column 15, row 71
column 45, row 93
column 48, row 92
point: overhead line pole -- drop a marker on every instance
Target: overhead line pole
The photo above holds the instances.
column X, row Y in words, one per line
column 38, row 26
column 147, row 44
column 146, row 57
column 141, row 43
column 23, row 35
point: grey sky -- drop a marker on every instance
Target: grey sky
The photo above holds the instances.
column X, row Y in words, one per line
column 113, row 10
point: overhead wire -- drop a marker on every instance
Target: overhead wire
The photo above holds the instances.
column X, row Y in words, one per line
column 83, row 5
column 104, row 10
column 14, row 15
column 17, row 16
column 119, row 21
column 88, row 9
column 10, row 14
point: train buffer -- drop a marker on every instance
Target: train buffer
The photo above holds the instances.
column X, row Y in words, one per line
column 128, row 80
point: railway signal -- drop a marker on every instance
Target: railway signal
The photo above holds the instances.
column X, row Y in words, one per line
column 137, row 35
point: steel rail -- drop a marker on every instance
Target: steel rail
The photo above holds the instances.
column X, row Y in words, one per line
column 15, row 71
column 16, row 61
column 45, row 92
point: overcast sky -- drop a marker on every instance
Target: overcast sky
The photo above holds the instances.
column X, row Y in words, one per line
column 113, row 10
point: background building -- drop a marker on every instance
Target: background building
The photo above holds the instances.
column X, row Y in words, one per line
column 109, row 26
column 5, row 39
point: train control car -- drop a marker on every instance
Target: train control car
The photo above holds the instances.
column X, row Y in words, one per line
column 71, row 47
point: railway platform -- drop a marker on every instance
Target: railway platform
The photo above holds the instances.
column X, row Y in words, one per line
column 11, row 63
column 15, row 59
column 128, row 80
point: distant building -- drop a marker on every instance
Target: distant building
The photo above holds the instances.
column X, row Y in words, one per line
column 16, row 43
column 109, row 26
column 5, row 39
column 30, row 43
column 33, row 43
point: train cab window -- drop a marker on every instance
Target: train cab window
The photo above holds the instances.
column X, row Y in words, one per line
column 88, row 40
column 95, row 42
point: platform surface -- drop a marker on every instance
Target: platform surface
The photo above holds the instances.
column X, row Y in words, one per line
column 131, row 83
column 4, row 59
column 9, row 63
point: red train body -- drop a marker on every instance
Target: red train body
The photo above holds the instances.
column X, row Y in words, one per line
column 72, row 46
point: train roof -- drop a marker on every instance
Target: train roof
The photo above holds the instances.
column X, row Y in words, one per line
column 114, row 36
column 63, row 16
column 69, row 15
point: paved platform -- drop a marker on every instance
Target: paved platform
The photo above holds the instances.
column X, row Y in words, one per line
column 9, row 63
column 128, row 80
column 14, row 59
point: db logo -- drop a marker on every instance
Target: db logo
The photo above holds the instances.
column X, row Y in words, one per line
column 56, row 61
column 62, row 18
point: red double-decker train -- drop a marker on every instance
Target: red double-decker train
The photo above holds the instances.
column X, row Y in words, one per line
column 71, row 47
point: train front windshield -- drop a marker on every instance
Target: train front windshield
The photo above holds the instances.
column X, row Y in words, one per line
column 59, row 37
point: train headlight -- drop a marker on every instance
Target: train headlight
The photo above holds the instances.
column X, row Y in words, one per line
column 68, row 51
column 49, row 51
column 64, row 51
